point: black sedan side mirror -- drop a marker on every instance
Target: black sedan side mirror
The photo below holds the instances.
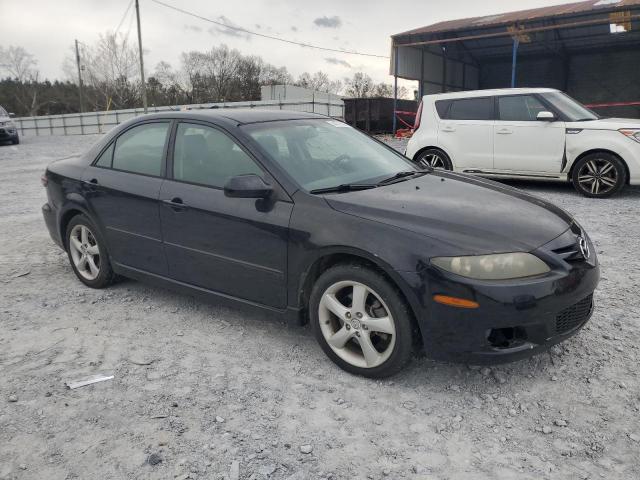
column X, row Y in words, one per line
column 247, row 186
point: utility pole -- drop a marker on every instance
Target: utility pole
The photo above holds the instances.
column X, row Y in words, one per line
column 79, row 77
column 144, row 85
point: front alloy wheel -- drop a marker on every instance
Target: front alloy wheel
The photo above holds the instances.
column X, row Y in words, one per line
column 599, row 175
column 357, row 324
column 361, row 321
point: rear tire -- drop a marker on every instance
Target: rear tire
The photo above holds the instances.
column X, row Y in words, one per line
column 434, row 158
column 361, row 321
column 599, row 175
column 87, row 253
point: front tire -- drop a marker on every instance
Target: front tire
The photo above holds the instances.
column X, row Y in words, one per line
column 361, row 321
column 88, row 253
column 15, row 141
column 434, row 158
column 599, row 175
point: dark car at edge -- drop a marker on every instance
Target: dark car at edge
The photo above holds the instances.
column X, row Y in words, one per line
column 304, row 216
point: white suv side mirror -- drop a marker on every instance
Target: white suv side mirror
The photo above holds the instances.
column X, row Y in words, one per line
column 546, row 116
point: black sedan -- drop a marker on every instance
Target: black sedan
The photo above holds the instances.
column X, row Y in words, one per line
column 305, row 216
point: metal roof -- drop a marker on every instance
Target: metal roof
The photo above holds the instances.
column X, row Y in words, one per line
column 586, row 7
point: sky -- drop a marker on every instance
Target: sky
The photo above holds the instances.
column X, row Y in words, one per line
column 47, row 29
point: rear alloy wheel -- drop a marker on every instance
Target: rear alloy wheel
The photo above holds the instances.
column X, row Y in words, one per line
column 434, row 158
column 361, row 322
column 87, row 253
column 599, row 175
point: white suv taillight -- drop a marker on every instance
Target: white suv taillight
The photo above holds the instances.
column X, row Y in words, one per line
column 416, row 124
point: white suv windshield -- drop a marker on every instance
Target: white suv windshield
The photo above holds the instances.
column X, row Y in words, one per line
column 574, row 111
column 326, row 153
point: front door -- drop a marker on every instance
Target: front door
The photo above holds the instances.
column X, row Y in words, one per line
column 122, row 189
column 466, row 133
column 234, row 246
column 522, row 143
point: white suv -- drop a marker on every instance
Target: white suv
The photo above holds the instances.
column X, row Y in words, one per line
column 527, row 133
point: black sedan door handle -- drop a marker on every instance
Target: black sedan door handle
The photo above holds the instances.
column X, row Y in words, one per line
column 176, row 204
column 92, row 184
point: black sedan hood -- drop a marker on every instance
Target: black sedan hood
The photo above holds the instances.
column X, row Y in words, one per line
column 469, row 213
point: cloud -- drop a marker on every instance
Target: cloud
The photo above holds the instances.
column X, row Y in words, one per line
column 193, row 28
column 328, row 22
column 294, row 29
column 231, row 32
column 337, row 61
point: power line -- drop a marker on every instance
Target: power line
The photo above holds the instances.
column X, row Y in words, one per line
column 123, row 17
column 249, row 32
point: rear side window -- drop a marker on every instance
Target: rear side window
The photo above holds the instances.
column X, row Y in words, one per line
column 442, row 106
column 521, row 108
column 471, row 109
column 141, row 149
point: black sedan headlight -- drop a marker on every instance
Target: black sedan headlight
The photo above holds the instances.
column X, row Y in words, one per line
column 500, row 266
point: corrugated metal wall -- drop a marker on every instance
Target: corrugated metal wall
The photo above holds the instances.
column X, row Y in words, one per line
column 589, row 78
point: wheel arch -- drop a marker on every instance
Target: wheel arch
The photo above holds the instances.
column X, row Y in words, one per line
column 340, row 256
column 599, row 150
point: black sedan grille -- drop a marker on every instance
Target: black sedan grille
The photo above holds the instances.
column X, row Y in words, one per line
column 574, row 316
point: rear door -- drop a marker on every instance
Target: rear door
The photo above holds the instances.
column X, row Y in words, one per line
column 522, row 143
column 234, row 246
column 466, row 132
column 122, row 189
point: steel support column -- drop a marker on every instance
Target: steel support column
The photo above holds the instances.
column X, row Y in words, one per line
column 395, row 88
column 514, row 61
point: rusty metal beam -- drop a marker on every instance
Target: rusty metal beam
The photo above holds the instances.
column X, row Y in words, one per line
column 507, row 33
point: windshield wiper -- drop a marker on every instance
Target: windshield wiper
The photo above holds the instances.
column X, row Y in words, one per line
column 401, row 175
column 345, row 187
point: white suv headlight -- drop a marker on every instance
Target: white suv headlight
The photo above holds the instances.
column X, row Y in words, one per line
column 632, row 133
column 500, row 266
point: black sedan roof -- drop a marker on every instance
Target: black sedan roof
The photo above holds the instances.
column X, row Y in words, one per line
column 238, row 115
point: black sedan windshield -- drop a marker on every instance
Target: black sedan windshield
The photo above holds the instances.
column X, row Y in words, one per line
column 322, row 154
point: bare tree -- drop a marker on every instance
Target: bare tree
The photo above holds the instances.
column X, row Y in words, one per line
column 20, row 65
column 110, row 69
column 359, row 86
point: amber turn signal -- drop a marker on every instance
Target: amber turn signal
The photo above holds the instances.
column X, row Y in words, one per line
column 455, row 301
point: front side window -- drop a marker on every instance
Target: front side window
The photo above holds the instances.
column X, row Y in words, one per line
column 570, row 108
column 105, row 159
column 206, row 156
column 141, row 149
column 520, row 108
column 471, row 109
column 326, row 153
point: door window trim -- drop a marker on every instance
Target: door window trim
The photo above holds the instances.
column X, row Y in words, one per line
column 113, row 141
column 170, row 154
column 535, row 95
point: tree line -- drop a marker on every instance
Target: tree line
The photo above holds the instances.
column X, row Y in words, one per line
column 111, row 79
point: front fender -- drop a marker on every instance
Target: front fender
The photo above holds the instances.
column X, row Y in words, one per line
column 586, row 141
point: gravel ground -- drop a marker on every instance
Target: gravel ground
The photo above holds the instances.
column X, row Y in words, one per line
column 206, row 392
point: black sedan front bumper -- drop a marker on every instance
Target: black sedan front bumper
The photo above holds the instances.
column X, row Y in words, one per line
column 515, row 319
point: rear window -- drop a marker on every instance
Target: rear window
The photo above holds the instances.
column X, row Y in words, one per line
column 471, row 109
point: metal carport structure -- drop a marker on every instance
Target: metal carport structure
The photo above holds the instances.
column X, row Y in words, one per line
column 588, row 49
